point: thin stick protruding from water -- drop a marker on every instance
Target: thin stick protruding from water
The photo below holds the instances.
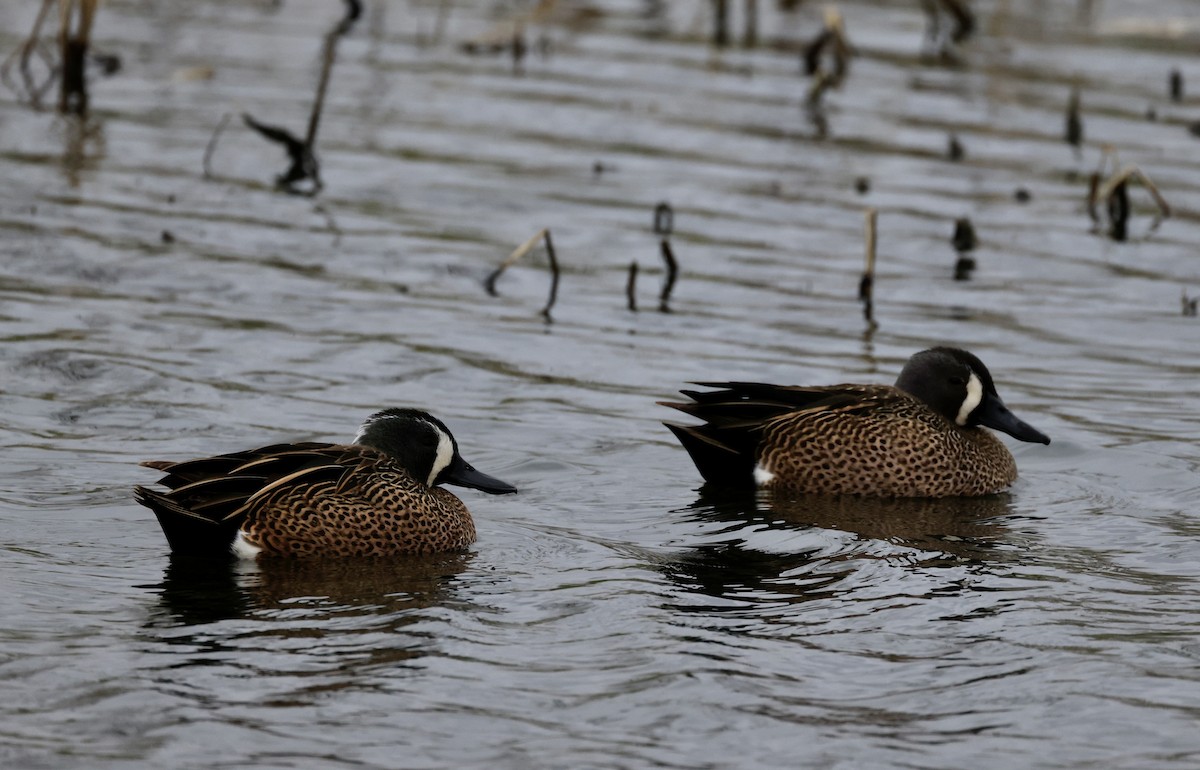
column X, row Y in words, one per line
column 720, row 23
column 1073, row 129
column 866, row 286
column 554, row 274
column 1113, row 191
column 664, row 224
column 212, row 144
column 631, row 287
column 522, row 250
column 664, row 299
column 22, row 58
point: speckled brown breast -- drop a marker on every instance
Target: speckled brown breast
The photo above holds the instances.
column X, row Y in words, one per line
column 376, row 512
column 888, row 444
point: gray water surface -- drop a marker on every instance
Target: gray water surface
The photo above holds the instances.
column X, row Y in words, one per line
column 609, row 616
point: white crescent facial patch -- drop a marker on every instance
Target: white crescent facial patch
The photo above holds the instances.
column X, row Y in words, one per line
column 974, row 396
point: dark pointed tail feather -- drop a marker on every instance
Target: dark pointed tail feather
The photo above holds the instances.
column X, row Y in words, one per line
column 718, row 461
column 187, row 532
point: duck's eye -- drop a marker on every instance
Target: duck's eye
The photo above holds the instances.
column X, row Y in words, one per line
column 958, row 381
column 428, row 439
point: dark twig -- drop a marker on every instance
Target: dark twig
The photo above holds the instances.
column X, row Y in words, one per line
column 212, row 144
column 526, row 247
column 964, row 26
column 1073, row 131
column 664, row 224
column 664, row 219
column 721, row 23
column 954, row 148
column 1114, row 192
column 964, row 235
column 631, row 287
column 866, row 286
column 664, row 299
column 302, row 153
column 832, row 38
column 554, row 274
column 73, row 48
column 1189, row 305
column 1117, row 203
column 1175, row 85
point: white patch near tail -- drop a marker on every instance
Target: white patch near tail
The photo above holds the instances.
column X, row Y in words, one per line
column 445, row 454
column 974, row 396
column 243, row 548
column 762, row 476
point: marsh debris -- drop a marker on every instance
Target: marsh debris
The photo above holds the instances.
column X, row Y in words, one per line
column 1113, row 192
column 940, row 38
column 1189, row 305
column 964, row 235
column 303, row 174
column 664, row 224
column 964, row 266
column 954, row 148
column 866, row 285
column 720, row 23
column 826, row 60
column 1073, row 128
column 631, row 287
column 75, row 21
column 526, row 247
column 33, row 49
column 1175, row 85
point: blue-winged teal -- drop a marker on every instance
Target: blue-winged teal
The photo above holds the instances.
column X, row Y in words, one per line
column 922, row 438
column 376, row 496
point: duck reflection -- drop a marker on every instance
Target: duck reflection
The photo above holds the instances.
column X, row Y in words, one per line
column 203, row 590
column 926, row 533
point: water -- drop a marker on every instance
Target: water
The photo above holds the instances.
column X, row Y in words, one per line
column 609, row 616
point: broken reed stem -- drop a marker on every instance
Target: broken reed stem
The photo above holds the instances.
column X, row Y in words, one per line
column 1073, row 130
column 522, row 250
column 721, row 23
column 328, row 56
column 631, row 287
column 24, row 54
column 750, row 33
column 866, row 287
column 212, row 144
column 1124, row 175
column 832, row 34
column 554, row 273
column 668, row 256
column 73, row 48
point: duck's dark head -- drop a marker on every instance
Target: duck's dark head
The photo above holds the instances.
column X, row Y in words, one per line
column 956, row 385
column 423, row 446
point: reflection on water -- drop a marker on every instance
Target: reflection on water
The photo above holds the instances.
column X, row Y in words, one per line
column 198, row 590
column 943, row 532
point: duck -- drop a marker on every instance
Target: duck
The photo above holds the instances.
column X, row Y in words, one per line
column 376, row 496
column 926, row 436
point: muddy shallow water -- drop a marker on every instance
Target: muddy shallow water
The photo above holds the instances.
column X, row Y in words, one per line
column 610, row 615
